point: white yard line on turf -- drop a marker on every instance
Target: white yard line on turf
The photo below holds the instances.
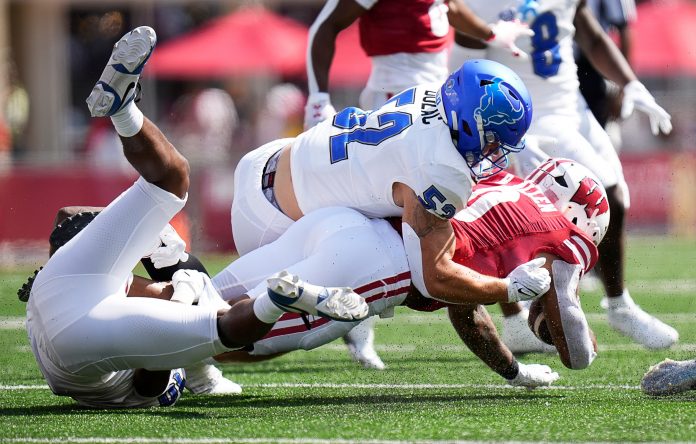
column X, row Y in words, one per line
column 134, row 440
column 387, row 386
column 12, row 322
column 17, row 322
column 456, row 348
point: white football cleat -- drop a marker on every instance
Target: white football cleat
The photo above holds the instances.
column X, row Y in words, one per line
column 361, row 345
column 669, row 377
column 206, row 379
column 290, row 293
column 630, row 320
column 519, row 338
column 118, row 83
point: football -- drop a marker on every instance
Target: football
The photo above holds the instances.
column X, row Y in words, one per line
column 537, row 322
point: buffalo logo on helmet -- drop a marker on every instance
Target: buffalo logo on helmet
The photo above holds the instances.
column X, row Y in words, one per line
column 498, row 105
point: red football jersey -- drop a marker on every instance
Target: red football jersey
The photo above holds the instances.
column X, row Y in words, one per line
column 508, row 222
column 412, row 26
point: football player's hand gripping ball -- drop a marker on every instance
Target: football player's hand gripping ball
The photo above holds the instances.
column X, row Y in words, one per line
column 528, row 281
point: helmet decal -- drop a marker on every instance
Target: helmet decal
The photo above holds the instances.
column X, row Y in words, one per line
column 577, row 193
column 451, row 92
column 590, row 195
column 498, row 106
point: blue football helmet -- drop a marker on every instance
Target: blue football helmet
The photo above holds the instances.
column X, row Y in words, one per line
column 488, row 111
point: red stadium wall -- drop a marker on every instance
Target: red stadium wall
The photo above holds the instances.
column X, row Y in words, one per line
column 662, row 196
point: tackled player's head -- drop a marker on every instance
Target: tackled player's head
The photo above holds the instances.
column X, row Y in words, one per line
column 577, row 193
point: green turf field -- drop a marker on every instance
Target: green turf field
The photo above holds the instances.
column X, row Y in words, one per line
column 433, row 389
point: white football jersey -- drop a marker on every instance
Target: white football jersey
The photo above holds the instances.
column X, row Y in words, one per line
column 354, row 159
column 550, row 73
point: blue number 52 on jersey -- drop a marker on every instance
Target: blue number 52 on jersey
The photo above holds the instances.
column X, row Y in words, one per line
column 353, row 120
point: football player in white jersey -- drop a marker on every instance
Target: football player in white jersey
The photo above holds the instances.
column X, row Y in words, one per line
column 106, row 338
column 567, row 128
column 413, row 157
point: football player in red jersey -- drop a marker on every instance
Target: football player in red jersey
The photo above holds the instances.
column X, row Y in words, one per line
column 508, row 221
column 564, row 126
column 408, row 44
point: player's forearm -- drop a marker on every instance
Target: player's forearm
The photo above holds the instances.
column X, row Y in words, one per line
column 477, row 330
column 455, row 284
column 600, row 50
column 320, row 53
column 335, row 16
column 464, row 20
column 467, row 41
column 146, row 288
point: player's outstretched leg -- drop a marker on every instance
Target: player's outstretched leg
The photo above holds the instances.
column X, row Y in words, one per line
column 118, row 84
column 290, row 293
column 669, row 377
column 144, row 145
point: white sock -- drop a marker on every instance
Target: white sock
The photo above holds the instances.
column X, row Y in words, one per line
column 129, row 121
column 624, row 300
column 266, row 310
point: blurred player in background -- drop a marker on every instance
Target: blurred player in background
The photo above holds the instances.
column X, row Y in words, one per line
column 407, row 42
column 109, row 339
column 566, row 128
column 602, row 97
column 508, row 222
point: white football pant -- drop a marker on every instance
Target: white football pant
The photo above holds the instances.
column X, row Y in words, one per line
column 336, row 247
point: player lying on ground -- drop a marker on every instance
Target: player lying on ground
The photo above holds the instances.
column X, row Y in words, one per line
column 669, row 378
column 508, row 222
column 92, row 341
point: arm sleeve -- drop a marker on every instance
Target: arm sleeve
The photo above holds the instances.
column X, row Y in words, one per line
column 444, row 192
column 576, row 330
